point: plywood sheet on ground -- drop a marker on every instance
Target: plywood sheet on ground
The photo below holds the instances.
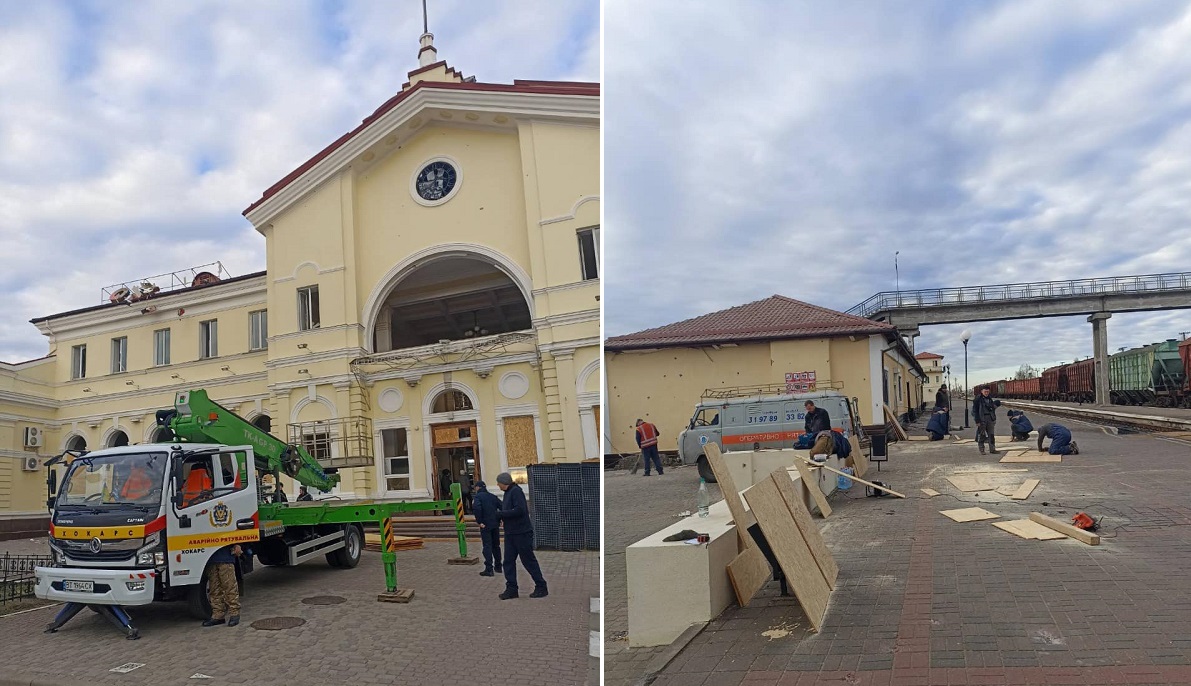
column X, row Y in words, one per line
column 810, row 531
column 811, row 484
column 1028, row 529
column 969, row 514
column 972, row 483
column 723, row 477
column 1031, row 457
column 789, row 547
column 930, row 492
column 1025, row 489
column 748, row 573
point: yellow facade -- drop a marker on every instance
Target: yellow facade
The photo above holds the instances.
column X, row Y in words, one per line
column 475, row 313
column 664, row 385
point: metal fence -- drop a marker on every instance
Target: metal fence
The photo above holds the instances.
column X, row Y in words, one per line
column 930, row 297
column 16, row 575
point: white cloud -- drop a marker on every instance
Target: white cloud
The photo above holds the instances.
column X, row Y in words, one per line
column 756, row 148
column 132, row 135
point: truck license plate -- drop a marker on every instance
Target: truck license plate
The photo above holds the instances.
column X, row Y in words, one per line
column 84, row 586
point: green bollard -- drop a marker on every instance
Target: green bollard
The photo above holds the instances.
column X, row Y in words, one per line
column 460, row 528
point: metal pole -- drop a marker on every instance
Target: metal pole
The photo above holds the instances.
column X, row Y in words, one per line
column 388, row 556
column 897, row 279
column 460, row 527
column 965, row 384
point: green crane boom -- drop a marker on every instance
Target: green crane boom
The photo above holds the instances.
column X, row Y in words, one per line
column 198, row 419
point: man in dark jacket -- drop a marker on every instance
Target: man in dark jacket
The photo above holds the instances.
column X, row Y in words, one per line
column 465, row 491
column 1021, row 426
column 486, row 507
column 984, row 412
column 1060, row 439
column 817, row 419
column 941, row 399
column 514, row 512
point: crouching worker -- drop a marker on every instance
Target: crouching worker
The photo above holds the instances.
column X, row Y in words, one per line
column 938, row 427
column 831, row 442
column 1020, row 425
column 1060, row 439
column 223, row 591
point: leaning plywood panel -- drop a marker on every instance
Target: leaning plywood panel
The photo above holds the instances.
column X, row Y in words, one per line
column 723, row 477
column 810, row 532
column 811, row 484
column 748, row 571
column 790, row 549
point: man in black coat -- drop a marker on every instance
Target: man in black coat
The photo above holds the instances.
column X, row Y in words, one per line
column 514, row 512
column 486, row 507
column 817, row 419
column 984, row 413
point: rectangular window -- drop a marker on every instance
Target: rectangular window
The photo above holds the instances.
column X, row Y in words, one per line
column 308, row 308
column 161, row 347
column 78, row 362
column 589, row 253
column 258, row 325
column 209, row 339
column 318, row 445
column 396, row 459
column 119, row 355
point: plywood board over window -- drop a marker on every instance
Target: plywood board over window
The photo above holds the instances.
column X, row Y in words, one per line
column 521, row 441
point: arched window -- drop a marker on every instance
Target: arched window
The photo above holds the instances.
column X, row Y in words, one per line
column 161, row 434
column 76, row 443
column 452, row 401
column 117, row 439
column 263, row 422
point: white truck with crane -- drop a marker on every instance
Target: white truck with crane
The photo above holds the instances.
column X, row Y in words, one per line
column 135, row 524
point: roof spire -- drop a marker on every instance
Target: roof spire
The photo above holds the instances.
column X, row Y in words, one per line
column 427, row 54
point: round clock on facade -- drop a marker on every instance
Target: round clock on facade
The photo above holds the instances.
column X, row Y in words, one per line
column 436, row 182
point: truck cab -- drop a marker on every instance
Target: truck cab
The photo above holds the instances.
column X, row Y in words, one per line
column 758, row 422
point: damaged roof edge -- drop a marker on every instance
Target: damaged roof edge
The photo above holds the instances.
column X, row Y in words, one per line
column 191, row 289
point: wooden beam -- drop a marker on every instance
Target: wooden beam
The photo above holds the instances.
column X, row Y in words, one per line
column 1065, row 528
column 851, row 476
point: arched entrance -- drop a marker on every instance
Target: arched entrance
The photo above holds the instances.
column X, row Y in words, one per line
column 454, row 440
column 448, row 293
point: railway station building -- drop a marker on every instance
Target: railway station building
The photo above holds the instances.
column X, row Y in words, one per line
column 430, row 301
column 661, row 374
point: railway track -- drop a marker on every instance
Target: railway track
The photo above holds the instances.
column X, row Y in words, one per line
column 1178, row 429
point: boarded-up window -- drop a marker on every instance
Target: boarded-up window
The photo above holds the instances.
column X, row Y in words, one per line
column 521, row 441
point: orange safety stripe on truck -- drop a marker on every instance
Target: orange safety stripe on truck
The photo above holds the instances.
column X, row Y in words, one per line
column 208, row 540
column 767, row 437
column 110, row 533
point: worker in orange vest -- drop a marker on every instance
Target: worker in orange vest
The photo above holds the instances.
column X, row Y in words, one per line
column 647, row 440
column 137, row 485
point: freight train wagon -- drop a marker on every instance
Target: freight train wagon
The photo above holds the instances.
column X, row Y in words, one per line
column 1072, row 383
column 1021, row 389
column 1150, row 375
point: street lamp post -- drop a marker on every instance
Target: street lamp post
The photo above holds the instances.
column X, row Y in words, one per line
column 897, row 279
column 965, row 337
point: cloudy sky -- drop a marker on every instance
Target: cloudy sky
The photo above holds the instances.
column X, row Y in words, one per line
column 754, row 148
column 132, row 135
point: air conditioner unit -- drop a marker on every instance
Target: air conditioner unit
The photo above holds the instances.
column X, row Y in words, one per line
column 33, row 437
column 30, row 464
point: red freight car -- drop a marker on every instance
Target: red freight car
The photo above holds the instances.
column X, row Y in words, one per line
column 1081, row 381
column 1022, row 389
column 1049, row 383
column 1185, row 354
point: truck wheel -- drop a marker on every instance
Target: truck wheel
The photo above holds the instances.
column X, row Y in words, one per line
column 705, row 470
column 353, row 545
column 196, row 600
column 272, row 554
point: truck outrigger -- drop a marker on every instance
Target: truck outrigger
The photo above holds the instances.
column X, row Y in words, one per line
column 135, row 524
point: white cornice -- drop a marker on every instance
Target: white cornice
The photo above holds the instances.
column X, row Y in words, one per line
column 198, row 303
column 472, row 365
column 565, row 347
column 574, row 210
column 514, row 104
column 315, row 332
column 348, row 354
column 16, row 367
column 567, row 286
column 592, row 315
column 170, row 389
column 26, row 399
column 312, row 381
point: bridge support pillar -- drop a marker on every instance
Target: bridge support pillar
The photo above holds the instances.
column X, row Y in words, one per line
column 1100, row 352
column 910, row 334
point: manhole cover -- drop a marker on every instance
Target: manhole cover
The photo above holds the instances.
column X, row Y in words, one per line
column 277, row 623
column 324, row 600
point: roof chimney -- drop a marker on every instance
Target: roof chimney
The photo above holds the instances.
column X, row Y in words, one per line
column 427, row 55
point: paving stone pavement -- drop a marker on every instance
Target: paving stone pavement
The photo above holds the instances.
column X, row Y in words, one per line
column 454, row 631
column 924, row 600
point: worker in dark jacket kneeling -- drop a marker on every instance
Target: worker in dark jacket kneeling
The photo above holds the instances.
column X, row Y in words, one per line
column 486, row 507
column 514, row 512
column 223, row 590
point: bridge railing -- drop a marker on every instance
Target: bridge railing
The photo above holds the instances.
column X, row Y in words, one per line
column 931, row 297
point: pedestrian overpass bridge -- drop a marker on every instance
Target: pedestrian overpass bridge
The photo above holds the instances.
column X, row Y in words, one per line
column 1097, row 298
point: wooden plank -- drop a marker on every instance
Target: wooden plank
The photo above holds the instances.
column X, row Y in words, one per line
column 859, row 460
column 1025, row 489
column 1065, row 528
column 811, row 484
column 723, row 477
column 810, row 531
column 853, row 477
column 748, row 572
column 1028, row 529
column 897, row 426
column 789, row 547
column 930, row 492
column 970, row 484
column 969, row 514
column 1032, row 457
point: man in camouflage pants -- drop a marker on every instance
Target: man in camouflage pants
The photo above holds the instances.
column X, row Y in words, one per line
column 222, row 590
